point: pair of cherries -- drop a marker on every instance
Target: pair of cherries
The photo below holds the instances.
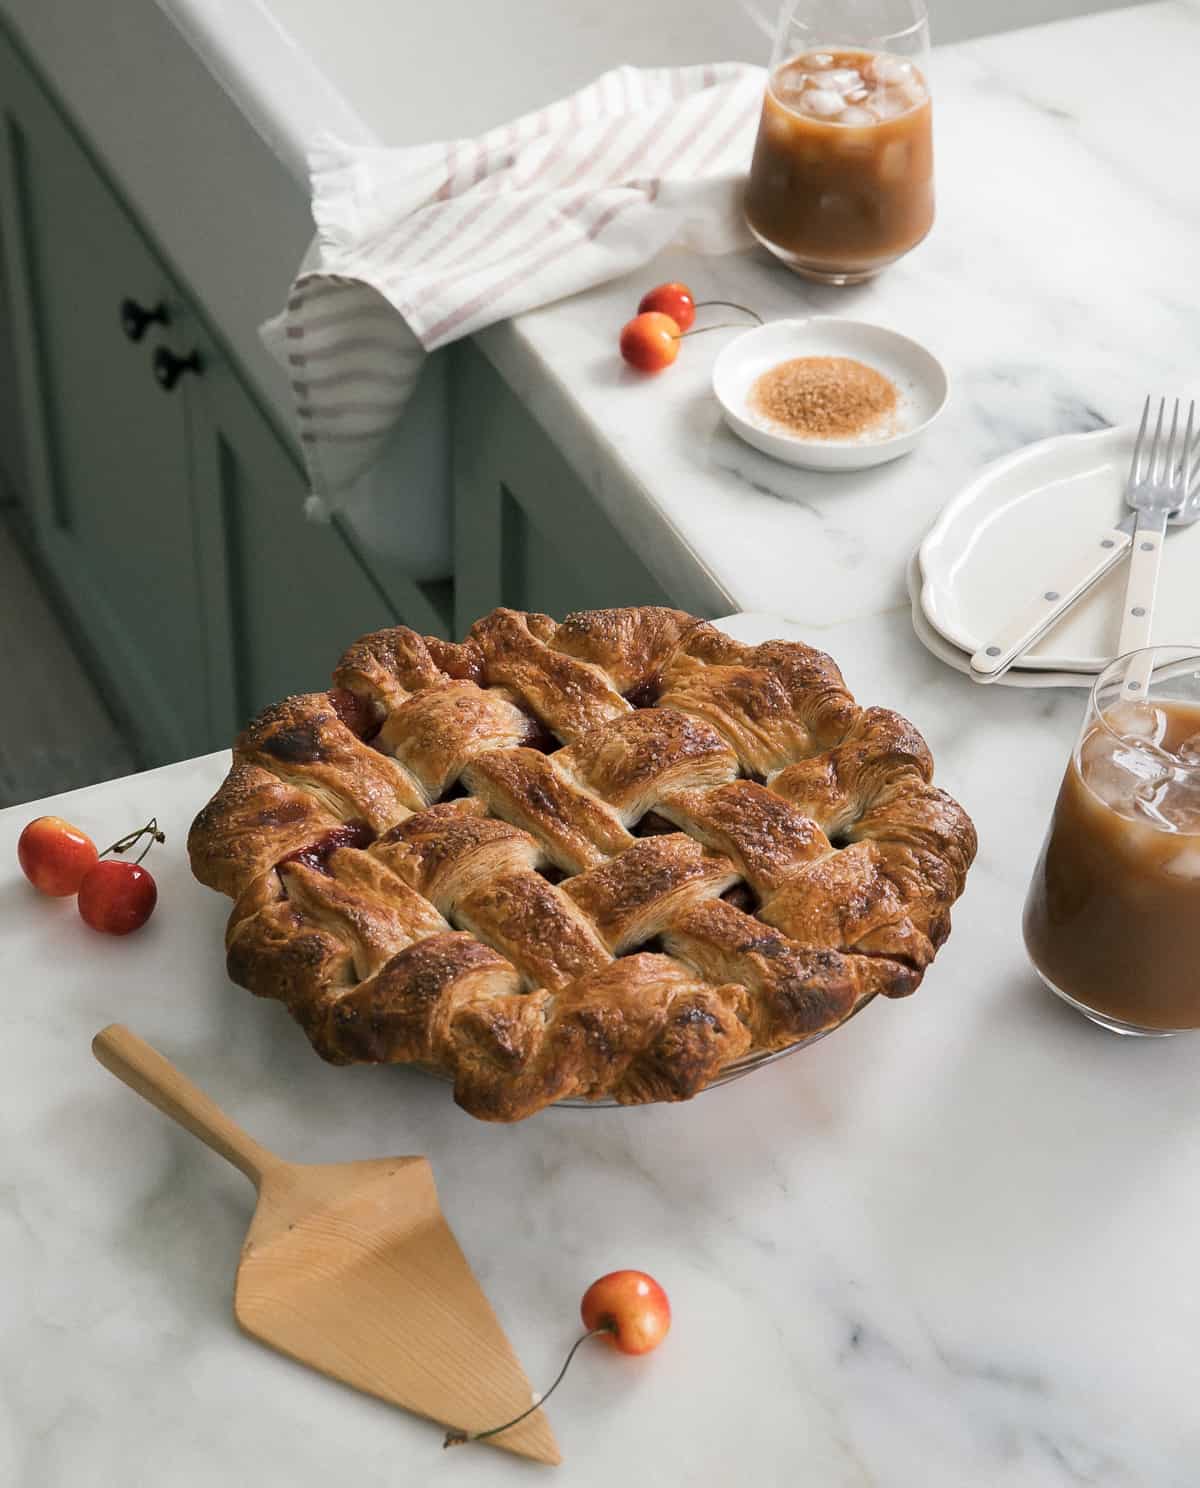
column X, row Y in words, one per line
column 650, row 341
column 60, row 859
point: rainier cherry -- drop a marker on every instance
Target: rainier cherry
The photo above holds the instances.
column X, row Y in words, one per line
column 54, row 855
column 650, row 342
column 628, row 1308
column 672, row 299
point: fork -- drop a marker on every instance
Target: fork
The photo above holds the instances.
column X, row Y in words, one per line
column 1159, row 483
column 994, row 657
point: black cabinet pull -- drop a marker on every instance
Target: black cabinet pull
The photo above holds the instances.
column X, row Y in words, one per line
column 135, row 318
column 169, row 368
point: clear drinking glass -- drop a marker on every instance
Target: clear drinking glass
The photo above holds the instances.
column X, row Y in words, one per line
column 1112, row 921
column 841, row 183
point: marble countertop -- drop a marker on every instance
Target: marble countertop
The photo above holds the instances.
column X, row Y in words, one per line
column 297, row 68
column 951, row 1245
column 1057, row 287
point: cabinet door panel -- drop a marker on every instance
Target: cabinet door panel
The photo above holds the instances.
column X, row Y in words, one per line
column 110, row 484
column 528, row 532
column 283, row 596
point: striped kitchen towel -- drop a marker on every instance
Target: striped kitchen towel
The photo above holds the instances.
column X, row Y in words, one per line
column 417, row 247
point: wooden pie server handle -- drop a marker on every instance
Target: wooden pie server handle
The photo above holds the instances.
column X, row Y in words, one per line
column 157, row 1080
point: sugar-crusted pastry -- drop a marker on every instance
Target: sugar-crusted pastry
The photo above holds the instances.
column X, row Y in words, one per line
column 601, row 858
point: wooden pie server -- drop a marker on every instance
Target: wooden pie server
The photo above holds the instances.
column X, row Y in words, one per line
column 351, row 1269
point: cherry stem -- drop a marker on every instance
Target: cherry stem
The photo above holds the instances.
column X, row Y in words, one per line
column 730, row 305
column 724, row 325
column 123, row 844
column 456, row 1438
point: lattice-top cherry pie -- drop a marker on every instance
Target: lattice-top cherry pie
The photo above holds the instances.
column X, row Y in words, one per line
column 606, row 857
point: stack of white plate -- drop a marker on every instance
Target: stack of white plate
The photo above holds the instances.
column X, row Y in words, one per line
column 1003, row 540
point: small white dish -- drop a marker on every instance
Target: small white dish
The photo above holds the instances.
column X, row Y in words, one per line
column 939, row 646
column 919, row 377
column 1019, row 519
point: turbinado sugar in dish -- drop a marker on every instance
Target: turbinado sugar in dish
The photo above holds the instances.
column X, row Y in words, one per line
column 824, row 397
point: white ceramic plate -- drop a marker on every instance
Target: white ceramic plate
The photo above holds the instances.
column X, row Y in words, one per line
column 940, row 647
column 919, row 377
column 1010, row 530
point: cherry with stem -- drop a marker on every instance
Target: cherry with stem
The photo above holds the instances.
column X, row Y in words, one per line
column 628, row 1309
column 650, row 341
column 675, row 300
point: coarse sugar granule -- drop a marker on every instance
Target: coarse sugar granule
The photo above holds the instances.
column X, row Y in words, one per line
column 824, row 397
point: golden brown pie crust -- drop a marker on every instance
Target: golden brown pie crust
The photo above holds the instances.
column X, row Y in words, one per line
column 601, row 858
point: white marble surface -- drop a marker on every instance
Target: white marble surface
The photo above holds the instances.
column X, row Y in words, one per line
column 1058, row 287
column 952, row 1245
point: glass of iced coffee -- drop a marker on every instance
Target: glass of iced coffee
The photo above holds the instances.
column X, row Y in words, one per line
column 841, row 183
column 1112, row 921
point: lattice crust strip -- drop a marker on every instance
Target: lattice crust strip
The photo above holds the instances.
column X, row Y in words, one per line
column 606, row 857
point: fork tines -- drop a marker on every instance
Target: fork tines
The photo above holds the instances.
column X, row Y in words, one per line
column 1174, row 465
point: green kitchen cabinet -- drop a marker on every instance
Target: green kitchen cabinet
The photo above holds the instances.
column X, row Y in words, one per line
column 284, row 595
column 165, row 506
column 526, row 531
column 106, row 452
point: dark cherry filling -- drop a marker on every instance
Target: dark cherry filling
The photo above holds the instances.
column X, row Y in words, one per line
column 539, row 737
column 653, row 825
column 317, row 854
column 300, row 743
column 360, row 715
column 742, row 897
column 646, row 693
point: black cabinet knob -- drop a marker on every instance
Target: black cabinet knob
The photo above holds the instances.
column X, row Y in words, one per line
column 169, row 368
column 136, row 318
